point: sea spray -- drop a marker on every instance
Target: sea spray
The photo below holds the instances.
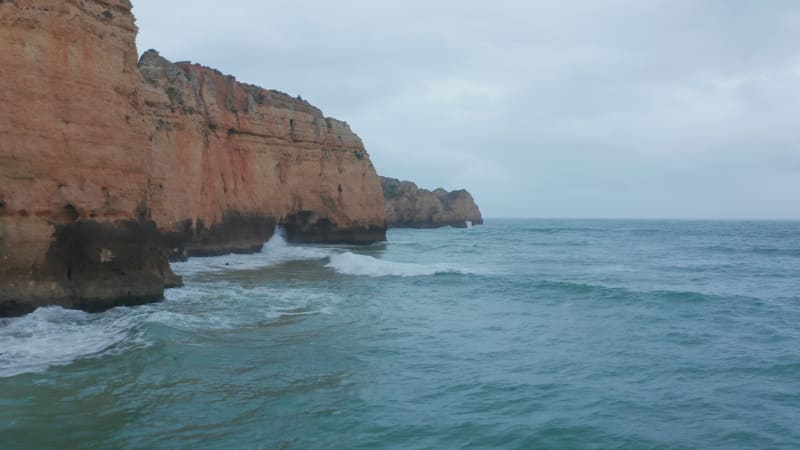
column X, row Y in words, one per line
column 275, row 251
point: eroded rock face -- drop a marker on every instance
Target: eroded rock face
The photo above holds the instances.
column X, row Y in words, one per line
column 74, row 160
column 107, row 167
column 408, row 206
column 235, row 158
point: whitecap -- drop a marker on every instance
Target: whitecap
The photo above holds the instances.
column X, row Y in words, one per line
column 274, row 252
column 348, row 263
column 227, row 306
column 277, row 249
column 56, row 337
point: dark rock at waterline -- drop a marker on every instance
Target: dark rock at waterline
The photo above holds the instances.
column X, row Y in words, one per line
column 307, row 227
column 92, row 266
column 237, row 233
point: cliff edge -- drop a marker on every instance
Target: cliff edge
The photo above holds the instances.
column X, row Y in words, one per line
column 408, row 206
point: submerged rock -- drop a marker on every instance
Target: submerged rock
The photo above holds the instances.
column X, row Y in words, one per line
column 408, row 206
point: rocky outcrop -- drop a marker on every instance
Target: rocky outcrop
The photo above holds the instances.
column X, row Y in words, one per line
column 408, row 206
column 108, row 166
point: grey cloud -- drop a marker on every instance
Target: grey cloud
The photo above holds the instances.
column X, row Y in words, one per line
column 632, row 108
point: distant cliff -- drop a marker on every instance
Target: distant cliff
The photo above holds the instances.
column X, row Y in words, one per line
column 110, row 165
column 408, row 206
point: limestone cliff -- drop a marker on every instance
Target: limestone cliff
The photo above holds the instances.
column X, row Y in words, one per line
column 227, row 154
column 74, row 159
column 107, row 167
column 408, row 206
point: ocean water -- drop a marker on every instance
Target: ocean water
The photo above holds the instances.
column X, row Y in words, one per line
column 519, row 334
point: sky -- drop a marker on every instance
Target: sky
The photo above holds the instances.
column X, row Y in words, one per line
column 685, row 109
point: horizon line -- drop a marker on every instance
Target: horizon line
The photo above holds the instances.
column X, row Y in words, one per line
column 663, row 219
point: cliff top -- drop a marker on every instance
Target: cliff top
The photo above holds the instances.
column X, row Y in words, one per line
column 393, row 188
column 152, row 66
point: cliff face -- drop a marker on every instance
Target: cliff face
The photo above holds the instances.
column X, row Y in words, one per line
column 107, row 168
column 233, row 159
column 73, row 159
column 408, row 206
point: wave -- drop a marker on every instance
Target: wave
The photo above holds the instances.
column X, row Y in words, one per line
column 348, row 263
column 228, row 307
column 558, row 230
column 769, row 251
column 600, row 292
column 274, row 252
column 56, row 337
column 765, row 251
column 52, row 337
column 277, row 249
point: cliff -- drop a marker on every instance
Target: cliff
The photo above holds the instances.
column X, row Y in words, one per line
column 74, row 160
column 230, row 160
column 109, row 167
column 408, row 206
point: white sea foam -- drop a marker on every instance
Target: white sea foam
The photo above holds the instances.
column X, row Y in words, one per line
column 228, row 306
column 56, row 337
column 353, row 264
column 275, row 251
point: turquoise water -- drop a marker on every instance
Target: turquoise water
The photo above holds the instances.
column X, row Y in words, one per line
column 513, row 335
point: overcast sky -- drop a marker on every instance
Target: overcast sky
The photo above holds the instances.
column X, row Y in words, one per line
column 541, row 108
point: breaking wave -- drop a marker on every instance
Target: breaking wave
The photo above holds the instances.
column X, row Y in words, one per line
column 228, row 307
column 57, row 337
column 52, row 337
column 275, row 251
column 348, row 263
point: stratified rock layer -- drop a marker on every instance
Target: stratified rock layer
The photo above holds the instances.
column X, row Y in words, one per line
column 107, row 168
column 408, row 206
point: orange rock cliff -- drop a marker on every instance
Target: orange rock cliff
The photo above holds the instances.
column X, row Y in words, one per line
column 110, row 165
column 229, row 159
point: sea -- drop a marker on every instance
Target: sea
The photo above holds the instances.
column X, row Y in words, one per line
column 518, row 334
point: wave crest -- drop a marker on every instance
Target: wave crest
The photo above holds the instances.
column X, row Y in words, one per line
column 56, row 337
column 348, row 263
column 274, row 252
